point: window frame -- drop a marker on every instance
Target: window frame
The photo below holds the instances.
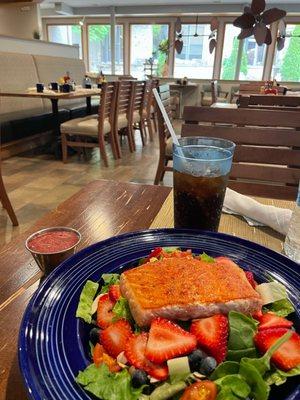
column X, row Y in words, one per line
column 88, row 46
column 69, row 23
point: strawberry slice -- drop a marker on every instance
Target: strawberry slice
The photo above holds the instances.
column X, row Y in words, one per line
column 115, row 336
column 114, row 293
column 257, row 314
column 104, row 311
column 251, row 280
column 167, row 340
column 288, row 354
column 271, row 320
column 211, row 334
column 135, row 354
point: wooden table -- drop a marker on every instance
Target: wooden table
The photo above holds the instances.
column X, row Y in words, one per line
column 54, row 97
column 100, row 210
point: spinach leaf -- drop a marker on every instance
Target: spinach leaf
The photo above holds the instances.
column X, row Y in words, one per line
column 237, row 384
column 106, row 385
column 259, row 388
column 241, row 331
column 225, row 368
column 167, row 390
column 279, row 377
column 84, row 308
column 237, row 355
column 109, row 279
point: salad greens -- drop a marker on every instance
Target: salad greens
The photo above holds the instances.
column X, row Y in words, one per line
column 84, row 309
column 278, row 377
column 271, row 291
column 122, row 310
column 109, row 279
column 206, row 258
column 106, row 385
column 241, row 332
column 249, row 377
column 282, row 308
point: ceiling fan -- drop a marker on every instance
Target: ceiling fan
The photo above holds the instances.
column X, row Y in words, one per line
column 255, row 21
column 178, row 44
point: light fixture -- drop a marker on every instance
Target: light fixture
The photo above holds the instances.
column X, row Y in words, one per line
column 255, row 19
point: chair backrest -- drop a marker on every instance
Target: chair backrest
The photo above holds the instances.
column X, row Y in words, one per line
column 126, row 78
column 123, row 97
column 214, row 91
column 267, row 156
column 288, row 103
column 107, row 106
column 148, row 97
column 163, row 131
column 138, row 94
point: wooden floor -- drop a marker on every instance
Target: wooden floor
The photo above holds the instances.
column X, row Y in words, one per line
column 37, row 183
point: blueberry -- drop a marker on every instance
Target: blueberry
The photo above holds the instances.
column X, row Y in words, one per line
column 94, row 335
column 195, row 359
column 208, row 365
column 139, row 378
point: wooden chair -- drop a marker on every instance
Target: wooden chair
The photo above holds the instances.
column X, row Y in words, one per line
column 147, row 108
column 89, row 132
column 267, row 156
column 263, row 101
column 136, row 109
column 165, row 140
column 6, row 202
column 126, row 78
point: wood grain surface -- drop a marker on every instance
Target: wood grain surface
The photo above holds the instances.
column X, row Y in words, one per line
column 100, row 210
column 50, row 94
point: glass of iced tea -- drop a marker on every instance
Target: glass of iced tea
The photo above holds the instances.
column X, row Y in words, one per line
column 201, row 171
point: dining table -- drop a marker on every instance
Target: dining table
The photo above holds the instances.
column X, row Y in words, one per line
column 100, row 210
column 55, row 96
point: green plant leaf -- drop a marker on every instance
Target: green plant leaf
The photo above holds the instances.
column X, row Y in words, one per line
column 279, row 377
column 259, row 388
column 241, row 331
column 109, row 279
column 122, row 310
column 282, row 308
column 225, row 368
column 84, row 308
column 206, row 258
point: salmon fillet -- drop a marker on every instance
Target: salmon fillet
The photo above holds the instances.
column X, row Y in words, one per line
column 186, row 288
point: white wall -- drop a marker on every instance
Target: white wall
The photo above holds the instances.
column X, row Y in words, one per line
column 14, row 45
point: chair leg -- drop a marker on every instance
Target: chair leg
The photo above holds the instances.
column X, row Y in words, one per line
column 7, row 204
column 154, row 121
column 150, row 130
column 64, row 148
column 131, row 134
column 103, row 150
column 117, row 144
column 141, row 128
column 160, row 171
column 113, row 145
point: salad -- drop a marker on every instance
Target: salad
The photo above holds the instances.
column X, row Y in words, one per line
column 223, row 357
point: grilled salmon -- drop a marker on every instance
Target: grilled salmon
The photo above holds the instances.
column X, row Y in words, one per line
column 187, row 288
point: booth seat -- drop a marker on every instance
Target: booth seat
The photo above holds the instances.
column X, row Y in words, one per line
column 22, row 117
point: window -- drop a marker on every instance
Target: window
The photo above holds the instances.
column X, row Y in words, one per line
column 195, row 60
column 66, row 34
column 145, row 43
column 99, row 40
column 286, row 66
column 249, row 65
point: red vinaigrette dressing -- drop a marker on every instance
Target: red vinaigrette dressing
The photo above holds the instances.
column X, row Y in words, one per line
column 53, row 241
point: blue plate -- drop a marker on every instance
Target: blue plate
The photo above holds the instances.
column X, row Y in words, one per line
column 53, row 343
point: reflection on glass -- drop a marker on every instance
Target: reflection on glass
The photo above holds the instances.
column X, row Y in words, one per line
column 286, row 65
column 99, row 41
column 145, row 43
column 195, row 60
column 66, row 34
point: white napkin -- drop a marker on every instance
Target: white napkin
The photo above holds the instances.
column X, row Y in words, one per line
column 255, row 213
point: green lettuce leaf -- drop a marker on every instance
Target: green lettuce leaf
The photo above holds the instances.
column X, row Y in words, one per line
column 279, row 377
column 170, row 249
column 109, row 279
column 235, row 385
column 282, row 308
column 225, row 368
column 167, row 390
column 206, row 258
column 259, row 388
column 84, row 308
column 122, row 310
column 106, row 385
column 237, row 355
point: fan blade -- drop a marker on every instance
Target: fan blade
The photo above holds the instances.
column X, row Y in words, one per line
column 244, row 21
column 178, row 25
column 272, row 15
column 260, row 33
column 268, row 39
column 212, row 45
column 178, row 46
column 212, row 34
column 247, row 10
column 282, row 27
column 214, row 24
column 245, row 33
column 280, row 43
column 258, row 6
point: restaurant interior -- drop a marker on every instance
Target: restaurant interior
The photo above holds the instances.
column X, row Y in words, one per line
column 160, row 131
